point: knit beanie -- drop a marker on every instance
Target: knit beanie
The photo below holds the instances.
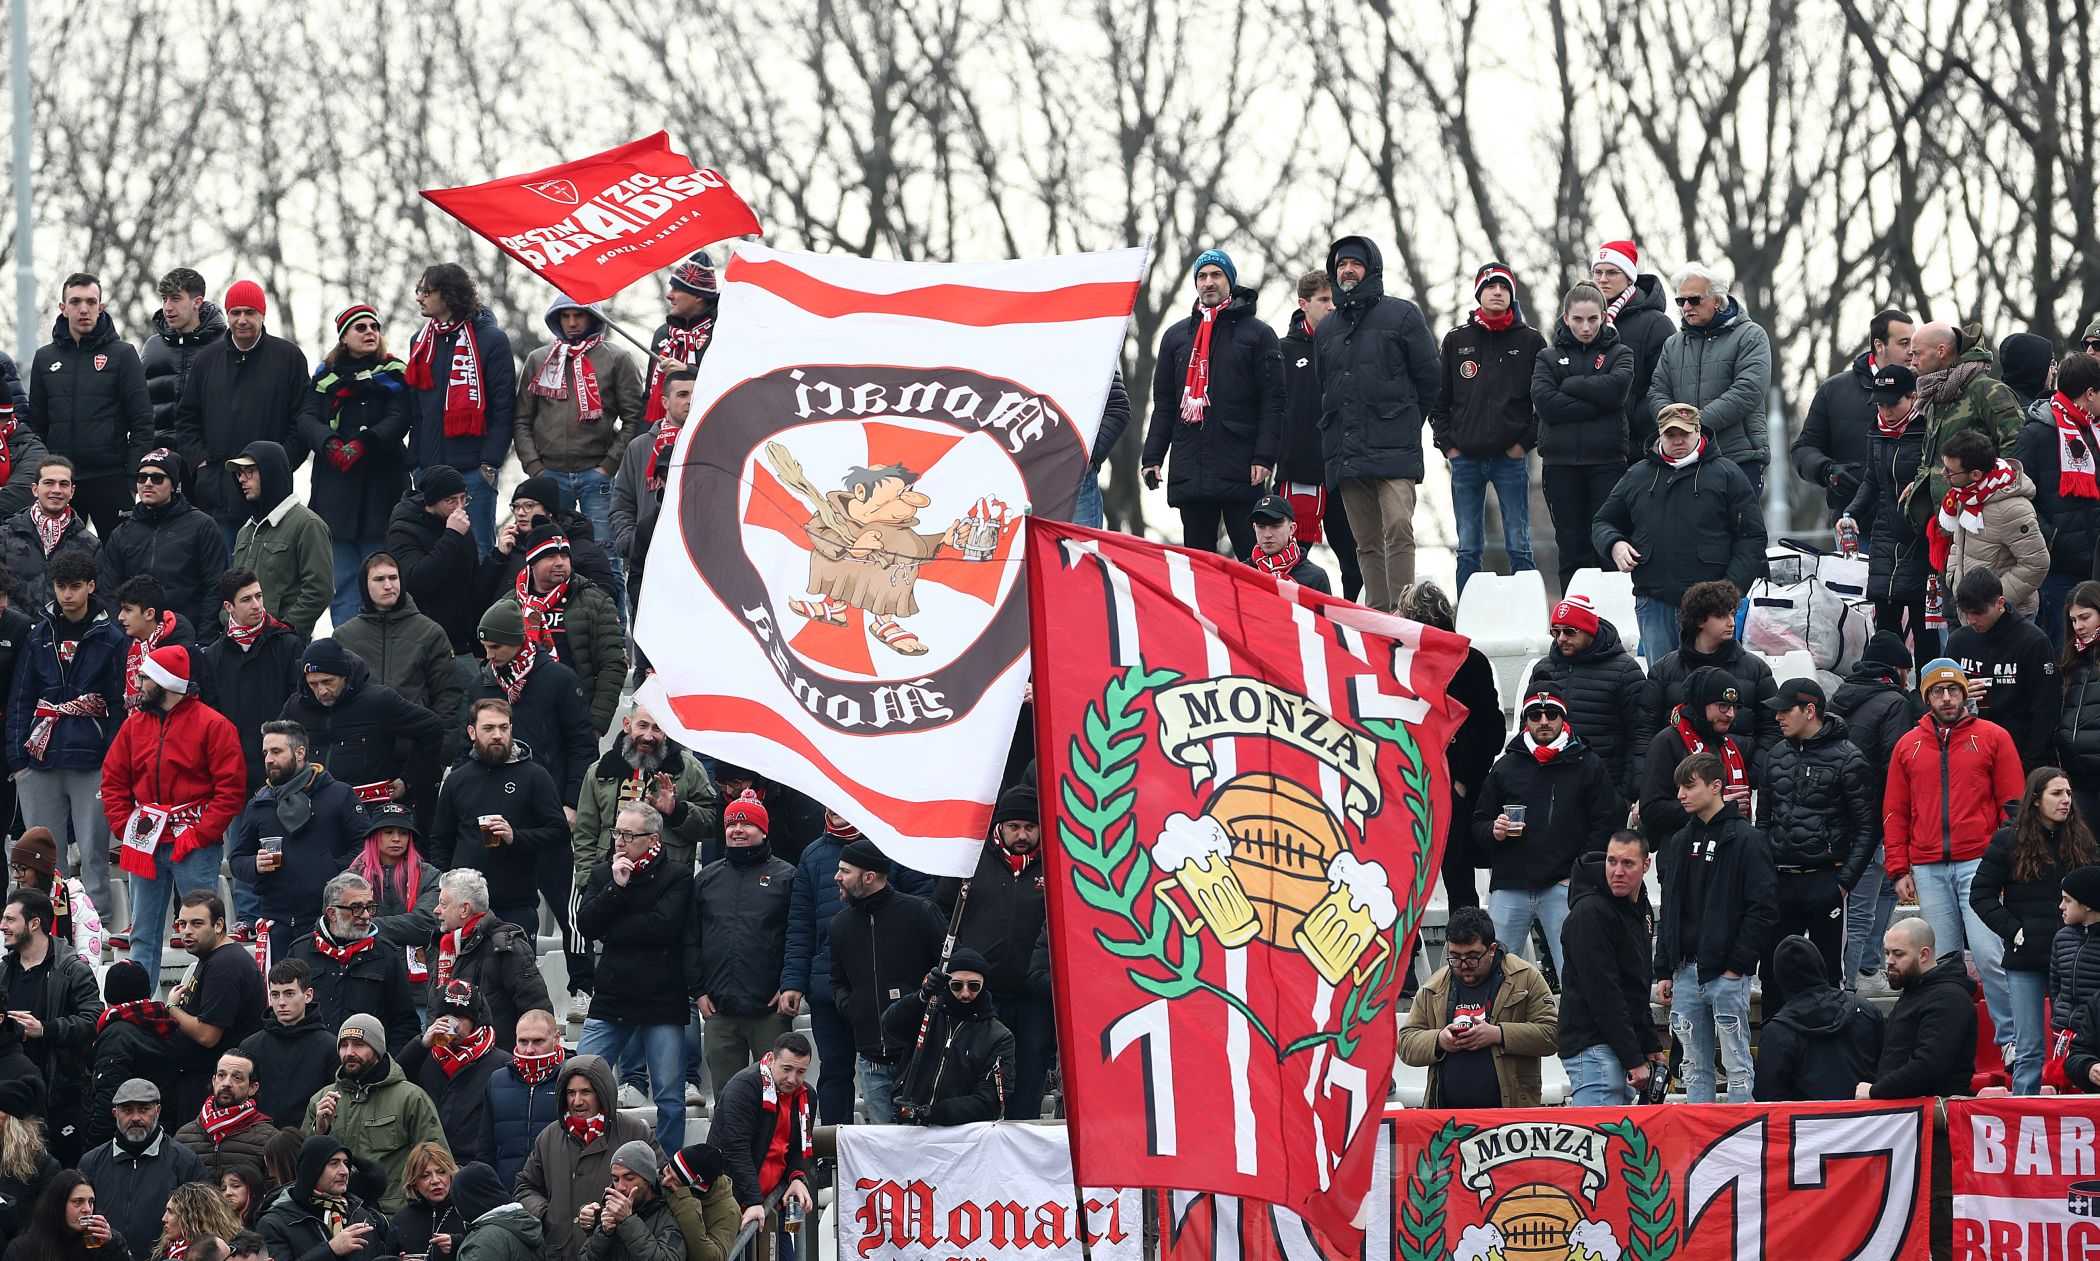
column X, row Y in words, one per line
column 864, row 855
column 36, row 851
column 125, row 982
column 964, row 959
column 1941, row 670
column 2023, row 363
column 326, row 656
column 696, row 275
column 699, row 1165
column 2083, row 883
column 1577, row 612
column 350, row 314
column 1491, row 272
column 638, row 1158
column 1016, row 805
column 477, row 1190
column 246, row 293
column 1886, row 649
column 504, row 623
column 1710, row 685
column 365, row 1029
column 748, row 809
column 1222, row 260
column 542, row 490
column 442, row 481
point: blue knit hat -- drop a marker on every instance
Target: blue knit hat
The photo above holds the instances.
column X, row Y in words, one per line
column 1222, row 259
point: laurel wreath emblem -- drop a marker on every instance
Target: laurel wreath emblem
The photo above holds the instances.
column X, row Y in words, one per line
column 1652, row 1220
column 1422, row 1216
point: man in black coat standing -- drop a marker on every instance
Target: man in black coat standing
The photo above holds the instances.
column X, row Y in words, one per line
column 1002, row 916
column 88, row 401
column 51, row 993
column 362, row 731
column 1302, row 477
column 1379, row 375
column 298, row 830
column 740, row 910
column 1217, row 409
column 167, row 539
column 2010, row 666
column 431, row 536
column 549, row 715
column 497, row 810
column 1837, row 438
column 185, row 324
column 1929, row 1044
column 246, row 387
column 883, row 943
column 1483, row 421
column 1878, row 706
column 253, row 669
column 466, row 390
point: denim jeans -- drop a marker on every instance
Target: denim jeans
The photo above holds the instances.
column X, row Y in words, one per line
column 1596, row 1078
column 663, row 1046
column 1867, row 911
column 1658, row 622
column 835, row 1061
column 1943, row 898
column 247, row 903
column 1470, row 477
column 1514, row 910
column 592, row 491
column 1086, row 507
column 2030, row 992
column 348, row 557
column 481, row 509
column 1702, row 1014
column 150, row 898
column 878, row 1090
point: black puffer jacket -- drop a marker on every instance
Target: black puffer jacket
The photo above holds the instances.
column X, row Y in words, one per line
column 1644, row 326
column 1690, row 524
column 1602, row 687
column 1301, row 407
column 24, row 553
column 235, row 397
column 1897, row 562
column 1570, row 806
column 1754, row 728
column 88, row 400
column 1817, row 808
column 1483, row 404
column 1580, row 393
column 2071, row 527
column 167, row 357
column 181, row 546
column 1878, row 709
column 251, row 686
column 1378, row 371
column 26, row 452
column 2022, row 912
column 1824, row 1042
column 11, row 387
column 742, row 905
column 1928, row 1046
column 1836, row 439
column 370, row 733
column 2078, row 724
column 1606, row 1002
column 968, row 1064
column 644, row 926
column 1242, row 427
column 2074, row 971
column 440, row 568
column 363, row 401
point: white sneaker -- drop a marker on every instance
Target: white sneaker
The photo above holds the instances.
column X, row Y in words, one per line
column 693, row 1098
column 632, row 1098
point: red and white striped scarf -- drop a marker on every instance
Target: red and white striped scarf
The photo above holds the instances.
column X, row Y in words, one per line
column 2075, row 469
column 553, row 380
column 534, row 1069
column 660, row 448
column 1962, row 509
column 466, row 401
column 1731, row 755
column 220, row 1124
column 49, row 530
column 1195, row 388
column 244, row 637
column 585, row 1130
column 135, row 655
column 686, row 345
column 537, row 609
column 450, row 945
column 460, row 1052
column 1279, row 565
column 511, row 678
column 342, row 952
column 45, row 719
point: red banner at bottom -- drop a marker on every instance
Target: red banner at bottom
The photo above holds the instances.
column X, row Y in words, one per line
column 2026, row 1181
column 1600, row 1184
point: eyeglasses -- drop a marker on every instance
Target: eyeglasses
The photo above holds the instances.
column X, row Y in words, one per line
column 622, row 834
column 1566, row 632
column 1467, row 957
column 1537, row 712
column 960, row 986
column 1690, row 299
column 154, row 478
column 355, row 909
column 424, row 290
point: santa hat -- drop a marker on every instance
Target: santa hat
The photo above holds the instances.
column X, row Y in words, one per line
column 1578, row 612
column 1623, row 255
column 748, row 809
column 169, row 666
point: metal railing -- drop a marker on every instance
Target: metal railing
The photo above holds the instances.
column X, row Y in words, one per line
column 757, row 1241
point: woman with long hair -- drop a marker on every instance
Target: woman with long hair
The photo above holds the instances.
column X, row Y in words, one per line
column 1579, row 388
column 64, row 1226
column 26, row 1166
column 429, row 1222
column 356, row 421
column 2017, row 893
column 404, row 882
column 197, row 1214
column 2078, row 723
column 241, row 1186
column 281, row 1158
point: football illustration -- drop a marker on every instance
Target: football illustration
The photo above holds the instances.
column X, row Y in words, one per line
column 1535, row 1220
column 1282, row 841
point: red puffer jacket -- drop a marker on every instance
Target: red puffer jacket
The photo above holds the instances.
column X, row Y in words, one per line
column 1950, row 789
column 189, row 756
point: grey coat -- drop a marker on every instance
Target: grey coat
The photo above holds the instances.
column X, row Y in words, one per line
column 1725, row 370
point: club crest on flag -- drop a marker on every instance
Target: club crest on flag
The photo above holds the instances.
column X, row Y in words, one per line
column 563, row 191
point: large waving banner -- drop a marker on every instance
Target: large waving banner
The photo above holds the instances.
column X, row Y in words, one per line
column 1709, row 1183
column 840, row 607
column 1244, row 780
column 2026, row 1180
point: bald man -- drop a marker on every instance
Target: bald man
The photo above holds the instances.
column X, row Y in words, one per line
column 1929, row 1047
column 1959, row 390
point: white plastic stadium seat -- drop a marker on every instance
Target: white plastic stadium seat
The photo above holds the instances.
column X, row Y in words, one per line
column 1611, row 594
column 1505, row 617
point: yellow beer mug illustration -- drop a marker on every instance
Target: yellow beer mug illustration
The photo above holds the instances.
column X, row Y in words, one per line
column 1199, row 854
column 1341, row 926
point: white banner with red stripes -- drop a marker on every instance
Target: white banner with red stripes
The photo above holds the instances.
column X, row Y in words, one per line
column 839, row 606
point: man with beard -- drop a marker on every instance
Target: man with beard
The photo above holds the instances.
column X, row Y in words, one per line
column 1002, row 917
column 635, row 1221
column 883, row 943
column 373, row 1108
column 247, row 387
column 1591, row 669
column 51, row 993
column 1833, row 447
column 294, row 1052
column 454, row 1061
column 496, row 812
column 363, row 731
column 1702, row 724
column 1217, row 409
column 251, row 669
column 570, row 1167
column 549, row 714
column 301, row 827
column 522, row 1098
column 352, row 970
column 646, row 765
column 472, row 944
column 740, row 914
column 218, row 1005
column 285, row 542
column 232, row 1129
column 48, row 526
column 1928, row 1046
column 1956, row 390
column 961, row 1072
column 173, row 782
column 88, row 400
column 1635, row 306
column 689, row 324
column 573, row 622
column 141, row 1165
column 167, row 538
column 317, row 1216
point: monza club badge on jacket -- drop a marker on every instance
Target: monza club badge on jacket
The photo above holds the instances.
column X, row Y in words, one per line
column 1249, row 794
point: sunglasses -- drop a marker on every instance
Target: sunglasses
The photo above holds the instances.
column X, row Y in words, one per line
column 1684, row 299
column 362, row 326
column 1537, row 712
column 964, row 987
column 152, row 478
column 1567, row 632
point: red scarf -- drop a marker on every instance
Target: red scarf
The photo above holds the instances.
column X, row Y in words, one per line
column 177, row 1250
column 1738, row 775
column 648, row 860
column 1618, row 304
column 345, row 953
column 149, row 1014
column 460, row 1052
column 2075, row 471
column 683, row 344
column 44, row 720
column 1895, row 428
column 511, row 678
column 659, row 452
column 451, row 943
column 585, row 1130
column 1195, row 389
column 244, row 637
column 1545, row 753
column 553, row 380
column 534, row 1069
column 7, row 449
column 220, row 1124
column 1495, row 323
column 1279, row 565
column 136, row 653
column 466, row 403
column 49, row 530
column 537, row 610
column 1962, row 509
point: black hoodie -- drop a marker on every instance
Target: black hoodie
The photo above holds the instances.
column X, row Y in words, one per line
column 2026, row 695
column 1243, row 425
column 1720, row 872
column 1929, row 1046
column 1605, row 1002
column 1824, row 1042
column 1379, row 375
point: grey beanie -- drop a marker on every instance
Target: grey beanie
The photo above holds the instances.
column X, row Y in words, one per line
column 638, row 1158
column 365, row 1029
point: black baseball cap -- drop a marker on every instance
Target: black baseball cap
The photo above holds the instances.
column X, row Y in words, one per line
column 1799, row 692
column 1893, row 382
column 1272, row 508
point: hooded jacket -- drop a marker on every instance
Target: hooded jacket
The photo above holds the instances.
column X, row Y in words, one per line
column 1379, row 375
column 562, row 1175
column 1837, row 437
column 23, row 550
column 293, row 1228
column 78, row 743
column 507, row 1232
column 1523, row 1008
column 88, row 400
column 124, row 1049
column 235, row 397
column 188, row 755
column 966, row 1067
column 1579, row 394
column 1949, row 790
column 166, row 359
column 1646, row 326
column 363, row 401
column 182, row 547
column 499, row 388
column 550, row 433
column 1602, row 687
column 1661, row 816
column 70, row 1006
column 2022, row 912
column 551, row 717
column 2070, row 525
column 1891, row 527
column 1817, row 808
column 1879, row 710
column 440, row 568
column 409, row 653
column 1824, row 1042
column 2010, row 544
column 319, row 839
column 1928, row 1046
column 882, row 946
column 613, row 780
column 1483, row 403
column 1243, row 425
column 514, row 1116
column 1606, row 1003
column 1740, row 909
column 1723, row 368
column 1689, row 525
column 1002, row 917
column 521, row 791
column 1300, row 457
column 286, row 543
column 2026, row 695
column 292, row 1062
column 1570, row 805
column 250, row 686
column 381, row 1117
column 740, row 940
column 646, row 928
column 370, row 734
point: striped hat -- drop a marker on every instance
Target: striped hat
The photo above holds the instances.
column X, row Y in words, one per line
column 351, row 313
